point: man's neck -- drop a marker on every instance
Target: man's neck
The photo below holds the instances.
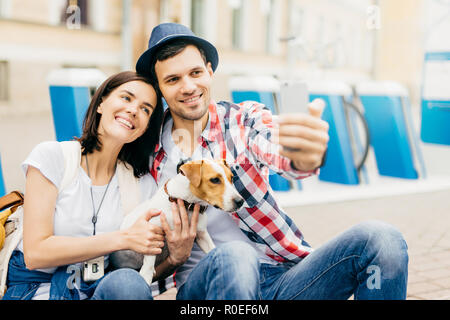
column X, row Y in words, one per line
column 185, row 133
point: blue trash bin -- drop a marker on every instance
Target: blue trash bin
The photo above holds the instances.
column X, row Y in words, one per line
column 342, row 164
column 263, row 90
column 70, row 94
column 393, row 138
column 2, row 183
column 436, row 99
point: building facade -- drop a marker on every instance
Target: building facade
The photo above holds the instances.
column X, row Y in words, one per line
column 350, row 40
column 41, row 35
column 307, row 39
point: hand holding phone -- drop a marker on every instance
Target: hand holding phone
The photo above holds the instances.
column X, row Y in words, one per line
column 302, row 133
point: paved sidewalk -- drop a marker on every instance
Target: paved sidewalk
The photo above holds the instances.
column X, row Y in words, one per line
column 423, row 219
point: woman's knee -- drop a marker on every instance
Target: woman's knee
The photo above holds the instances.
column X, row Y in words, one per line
column 123, row 284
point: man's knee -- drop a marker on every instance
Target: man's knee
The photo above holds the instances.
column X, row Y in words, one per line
column 238, row 256
column 238, row 251
column 236, row 269
column 381, row 233
column 386, row 244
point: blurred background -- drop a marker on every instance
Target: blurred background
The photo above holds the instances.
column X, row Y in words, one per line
column 382, row 66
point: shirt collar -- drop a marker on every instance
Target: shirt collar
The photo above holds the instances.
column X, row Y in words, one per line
column 213, row 127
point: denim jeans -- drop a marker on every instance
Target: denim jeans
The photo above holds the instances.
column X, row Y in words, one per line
column 369, row 260
column 122, row 284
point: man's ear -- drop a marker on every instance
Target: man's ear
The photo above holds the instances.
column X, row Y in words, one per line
column 193, row 171
column 209, row 69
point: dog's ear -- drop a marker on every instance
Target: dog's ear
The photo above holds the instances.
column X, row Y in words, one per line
column 192, row 171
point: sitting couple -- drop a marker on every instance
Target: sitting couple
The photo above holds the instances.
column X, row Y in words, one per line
column 260, row 253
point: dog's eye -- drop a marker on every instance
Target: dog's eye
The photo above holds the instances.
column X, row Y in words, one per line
column 215, row 180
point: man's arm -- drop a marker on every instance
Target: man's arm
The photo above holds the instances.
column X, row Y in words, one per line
column 265, row 138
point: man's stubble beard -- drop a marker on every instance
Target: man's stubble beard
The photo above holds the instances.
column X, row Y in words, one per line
column 181, row 113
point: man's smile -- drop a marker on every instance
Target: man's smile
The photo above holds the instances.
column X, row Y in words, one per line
column 192, row 100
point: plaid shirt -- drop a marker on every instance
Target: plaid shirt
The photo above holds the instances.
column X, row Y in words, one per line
column 241, row 134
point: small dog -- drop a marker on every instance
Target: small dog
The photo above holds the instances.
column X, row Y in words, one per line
column 206, row 182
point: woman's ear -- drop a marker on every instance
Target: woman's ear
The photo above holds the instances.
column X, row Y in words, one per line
column 100, row 108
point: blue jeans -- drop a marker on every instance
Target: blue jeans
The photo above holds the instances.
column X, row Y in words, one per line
column 122, row 284
column 369, row 260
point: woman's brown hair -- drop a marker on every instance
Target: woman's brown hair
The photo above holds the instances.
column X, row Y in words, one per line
column 138, row 152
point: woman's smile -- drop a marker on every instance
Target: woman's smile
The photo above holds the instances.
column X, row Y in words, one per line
column 125, row 122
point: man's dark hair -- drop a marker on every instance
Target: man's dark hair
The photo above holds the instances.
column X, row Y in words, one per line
column 171, row 49
column 138, row 152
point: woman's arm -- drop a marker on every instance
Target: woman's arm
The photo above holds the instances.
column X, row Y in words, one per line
column 42, row 249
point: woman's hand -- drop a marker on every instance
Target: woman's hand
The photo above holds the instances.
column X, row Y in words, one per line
column 144, row 237
column 181, row 239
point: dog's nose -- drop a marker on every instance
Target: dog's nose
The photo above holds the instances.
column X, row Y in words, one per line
column 238, row 202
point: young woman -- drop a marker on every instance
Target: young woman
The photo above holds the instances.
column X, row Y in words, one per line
column 82, row 221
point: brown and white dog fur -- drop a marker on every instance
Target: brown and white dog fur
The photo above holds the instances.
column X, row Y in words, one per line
column 207, row 182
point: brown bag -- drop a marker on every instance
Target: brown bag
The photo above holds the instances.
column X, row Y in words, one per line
column 11, row 212
column 8, row 205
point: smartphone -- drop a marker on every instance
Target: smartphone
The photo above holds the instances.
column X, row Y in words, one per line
column 294, row 97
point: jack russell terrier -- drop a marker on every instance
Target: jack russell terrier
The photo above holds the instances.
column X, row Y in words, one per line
column 206, row 182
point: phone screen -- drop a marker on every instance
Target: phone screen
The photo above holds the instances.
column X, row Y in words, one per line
column 294, row 97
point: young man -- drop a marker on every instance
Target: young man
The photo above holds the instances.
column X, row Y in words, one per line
column 260, row 252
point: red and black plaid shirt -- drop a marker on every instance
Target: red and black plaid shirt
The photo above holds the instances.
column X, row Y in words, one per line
column 240, row 133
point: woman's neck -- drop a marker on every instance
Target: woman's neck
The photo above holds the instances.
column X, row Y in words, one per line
column 101, row 165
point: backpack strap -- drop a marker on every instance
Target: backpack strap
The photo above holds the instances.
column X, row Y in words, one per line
column 12, row 199
column 130, row 192
column 72, row 159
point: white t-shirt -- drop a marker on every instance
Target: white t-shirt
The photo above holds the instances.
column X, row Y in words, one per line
column 221, row 226
column 74, row 210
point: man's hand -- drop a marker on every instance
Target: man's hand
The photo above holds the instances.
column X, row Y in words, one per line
column 181, row 239
column 304, row 137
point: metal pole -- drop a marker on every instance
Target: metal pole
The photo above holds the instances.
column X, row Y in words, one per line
column 127, row 43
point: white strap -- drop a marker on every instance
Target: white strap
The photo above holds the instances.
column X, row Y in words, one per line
column 72, row 159
column 130, row 192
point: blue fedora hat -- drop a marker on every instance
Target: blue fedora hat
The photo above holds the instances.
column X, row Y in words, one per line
column 167, row 32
